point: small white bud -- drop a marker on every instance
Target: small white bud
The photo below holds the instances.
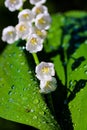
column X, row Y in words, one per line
column 23, row 29
column 39, row 9
column 48, row 86
column 26, row 15
column 34, row 2
column 34, row 43
column 43, row 21
column 9, row 35
column 13, row 5
column 45, row 71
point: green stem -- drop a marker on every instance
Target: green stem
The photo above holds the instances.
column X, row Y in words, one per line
column 20, row 9
column 35, row 58
column 49, row 96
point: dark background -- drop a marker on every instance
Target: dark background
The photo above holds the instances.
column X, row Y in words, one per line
column 54, row 6
column 9, row 18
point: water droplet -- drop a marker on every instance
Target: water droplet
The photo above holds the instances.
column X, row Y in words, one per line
column 11, row 66
column 43, row 122
column 31, row 110
column 29, row 72
column 17, row 116
column 79, row 110
column 83, row 84
column 41, row 112
column 86, row 72
column 75, row 124
column 45, row 108
column 24, row 89
column 29, row 85
column 12, row 87
column 70, row 83
column 80, row 68
column 20, row 55
column 23, row 48
column 36, row 101
column 76, row 69
column 10, row 93
column 10, row 55
column 11, row 100
column 65, row 101
column 27, row 110
column 18, row 71
column 14, row 54
column 2, row 99
column 85, row 41
column 34, row 117
column 22, row 63
column 85, row 66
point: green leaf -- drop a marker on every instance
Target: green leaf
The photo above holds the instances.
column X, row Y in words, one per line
column 77, row 73
column 67, row 43
column 77, row 81
column 20, row 100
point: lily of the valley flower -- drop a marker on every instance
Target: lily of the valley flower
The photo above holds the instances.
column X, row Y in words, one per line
column 34, row 43
column 34, row 2
column 45, row 71
column 43, row 21
column 13, row 5
column 48, row 86
column 9, row 35
column 39, row 9
column 23, row 29
column 26, row 15
column 41, row 33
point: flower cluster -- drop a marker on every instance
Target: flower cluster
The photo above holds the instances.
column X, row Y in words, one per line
column 32, row 26
column 45, row 72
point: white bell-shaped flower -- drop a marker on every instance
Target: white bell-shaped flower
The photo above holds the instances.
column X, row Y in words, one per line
column 48, row 86
column 34, row 2
column 26, row 15
column 45, row 71
column 39, row 9
column 43, row 21
column 23, row 29
column 9, row 35
column 34, row 43
column 39, row 32
column 13, row 5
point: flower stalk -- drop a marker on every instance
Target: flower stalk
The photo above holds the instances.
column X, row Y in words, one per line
column 35, row 58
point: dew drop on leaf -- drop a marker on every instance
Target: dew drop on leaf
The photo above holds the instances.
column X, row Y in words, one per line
column 11, row 66
column 41, row 112
column 85, row 66
column 11, row 100
column 86, row 72
column 70, row 83
column 31, row 110
column 10, row 93
column 18, row 70
column 34, row 117
column 12, row 87
column 24, row 89
column 79, row 110
column 36, row 101
column 23, row 48
column 29, row 72
column 20, row 55
column 22, row 63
